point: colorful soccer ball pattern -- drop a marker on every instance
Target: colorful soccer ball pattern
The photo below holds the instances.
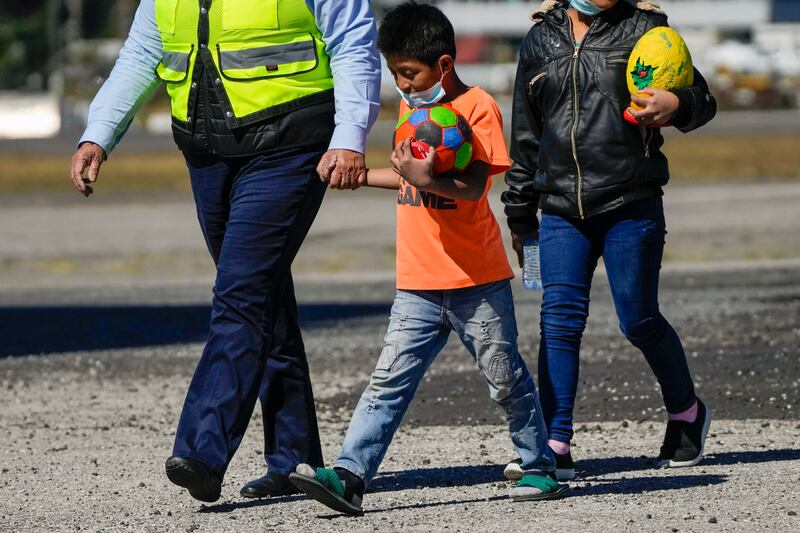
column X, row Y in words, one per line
column 443, row 129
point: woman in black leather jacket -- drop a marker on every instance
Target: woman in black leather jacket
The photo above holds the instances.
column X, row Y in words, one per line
column 598, row 181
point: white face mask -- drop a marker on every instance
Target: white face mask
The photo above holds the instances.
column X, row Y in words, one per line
column 587, row 7
column 424, row 98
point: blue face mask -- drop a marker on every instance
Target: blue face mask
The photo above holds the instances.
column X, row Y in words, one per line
column 424, row 98
column 586, row 7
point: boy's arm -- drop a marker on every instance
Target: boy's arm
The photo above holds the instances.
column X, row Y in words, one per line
column 696, row 105
column 383, row 178
column 521, row 199
column 469, row 185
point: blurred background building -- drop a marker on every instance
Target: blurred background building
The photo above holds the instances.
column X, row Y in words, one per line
column 54, row 54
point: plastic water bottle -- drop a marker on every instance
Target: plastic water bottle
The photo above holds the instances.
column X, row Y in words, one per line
column 531, row 270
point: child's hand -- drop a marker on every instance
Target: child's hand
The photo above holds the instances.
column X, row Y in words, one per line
column 417, row 172
column 658, row 110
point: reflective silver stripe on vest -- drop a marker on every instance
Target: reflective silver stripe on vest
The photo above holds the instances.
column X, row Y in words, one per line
column 279, row 54
column 177, row 61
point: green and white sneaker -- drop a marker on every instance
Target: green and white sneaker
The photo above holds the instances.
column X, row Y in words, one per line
column 337, row 488
column 534, row 487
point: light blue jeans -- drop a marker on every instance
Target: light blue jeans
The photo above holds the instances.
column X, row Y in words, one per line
column 420, row 322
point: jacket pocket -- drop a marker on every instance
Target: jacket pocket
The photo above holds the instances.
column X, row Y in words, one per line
column 250, row 15
column 536, row 78
column 174, row 64
column 610, row 75
column 263, row 60
column 166, row 14
column 538, row 92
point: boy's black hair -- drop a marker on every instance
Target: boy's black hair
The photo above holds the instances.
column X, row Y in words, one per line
column 417, row 31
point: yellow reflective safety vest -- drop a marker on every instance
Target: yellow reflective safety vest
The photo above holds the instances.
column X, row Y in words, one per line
column 265, row 56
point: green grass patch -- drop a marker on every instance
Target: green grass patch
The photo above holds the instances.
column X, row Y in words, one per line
column 696, row 159
column 707, row 159
column 146, row 172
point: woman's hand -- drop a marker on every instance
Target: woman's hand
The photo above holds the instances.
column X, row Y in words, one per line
column 417, row 172
column 658, row 108
column 518, row 244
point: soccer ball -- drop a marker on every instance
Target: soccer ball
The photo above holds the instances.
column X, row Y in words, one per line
column 660, row 60
column 442, row 129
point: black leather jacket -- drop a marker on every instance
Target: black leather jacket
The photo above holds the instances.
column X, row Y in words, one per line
column 573, row 153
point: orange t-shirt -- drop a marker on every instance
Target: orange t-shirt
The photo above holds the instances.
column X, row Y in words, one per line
column 445, row 243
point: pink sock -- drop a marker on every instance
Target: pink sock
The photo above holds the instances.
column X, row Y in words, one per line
column 689, row 415
column 561, row 448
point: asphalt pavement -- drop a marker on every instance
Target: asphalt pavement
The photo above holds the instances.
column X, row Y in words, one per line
column 104, row 307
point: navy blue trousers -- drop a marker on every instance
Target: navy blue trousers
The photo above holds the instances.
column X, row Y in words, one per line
column 630, row 239
column 254, row 213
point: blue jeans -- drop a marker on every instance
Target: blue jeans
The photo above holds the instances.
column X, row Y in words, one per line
column 631, row 241
column 420, row 322
column 254, row 213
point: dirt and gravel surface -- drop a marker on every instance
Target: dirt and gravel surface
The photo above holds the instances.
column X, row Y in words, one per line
column 86, row 430
column 104, row 308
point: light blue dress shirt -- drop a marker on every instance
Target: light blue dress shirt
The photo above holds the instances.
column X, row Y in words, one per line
column 348, row 29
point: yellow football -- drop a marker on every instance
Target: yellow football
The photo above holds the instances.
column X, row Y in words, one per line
column 661, row 60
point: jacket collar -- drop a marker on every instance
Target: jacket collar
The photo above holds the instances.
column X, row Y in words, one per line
column 538, row 14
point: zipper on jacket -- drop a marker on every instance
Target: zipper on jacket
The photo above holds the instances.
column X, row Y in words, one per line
column 535, row 79
column 576, row 111
column 646, row 135
column 200, row 62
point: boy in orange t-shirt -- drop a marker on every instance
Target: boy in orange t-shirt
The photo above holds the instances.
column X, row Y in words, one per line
column 452, row 275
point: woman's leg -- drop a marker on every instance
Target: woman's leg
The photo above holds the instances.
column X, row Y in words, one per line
column 634, row 245
column 568, row 259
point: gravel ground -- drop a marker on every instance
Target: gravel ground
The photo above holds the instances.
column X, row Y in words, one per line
column 88, row 426
column 104, row 308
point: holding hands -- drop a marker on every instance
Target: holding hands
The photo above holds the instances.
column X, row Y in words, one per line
column 343, row 169
column 417, row 172
column 657, row 109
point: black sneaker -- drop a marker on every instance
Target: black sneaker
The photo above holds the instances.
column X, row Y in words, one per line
column 271, row 485
column 684, row 441
column 565, row 468
column 202, row 483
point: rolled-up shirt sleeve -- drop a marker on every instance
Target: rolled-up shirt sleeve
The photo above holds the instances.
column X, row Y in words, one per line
column 348, row 29
column 130, row 84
